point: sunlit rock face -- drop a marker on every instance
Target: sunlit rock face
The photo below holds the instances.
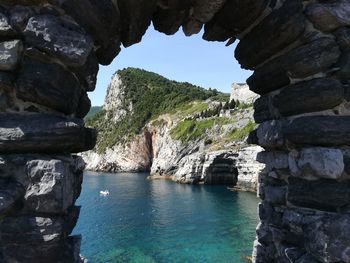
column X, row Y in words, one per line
column 155, row 150
column 242, row 94
column 298, row 50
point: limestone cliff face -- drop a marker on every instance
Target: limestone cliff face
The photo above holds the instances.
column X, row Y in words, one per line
column 135, row 156
column 241, row 93
column 114, row 99
column 219, row 157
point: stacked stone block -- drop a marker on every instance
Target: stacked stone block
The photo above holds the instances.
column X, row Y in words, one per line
column 303, row 81
column 47, row 65
column 299, row 52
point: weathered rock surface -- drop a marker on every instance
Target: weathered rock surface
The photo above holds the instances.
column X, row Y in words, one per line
column 44, row 197
column 10, row 195
column 6, row 29
column 100, row 19
column 300, row 63
column 10, row 54
column 115, row 97
column 248, row 168
column 48, row 84
column 317, row 95
column 133, row 157
column 233, row 19
column 59, row 38
column 322, row 162
column 329, row 16
column 300, row 53
column 280, row 29
column 155, row 150
column 43, row 133
column 241, row 93
column 170, row 16
column 136, row 16
column 312, row 130
column 34, row 191
column 212, row 168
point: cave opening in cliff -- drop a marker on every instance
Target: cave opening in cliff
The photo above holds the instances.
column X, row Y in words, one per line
column 182, row 63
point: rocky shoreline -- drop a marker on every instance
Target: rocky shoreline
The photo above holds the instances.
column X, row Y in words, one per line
column 196, row 161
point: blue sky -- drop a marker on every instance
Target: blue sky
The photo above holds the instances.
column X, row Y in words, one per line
column 191, row 59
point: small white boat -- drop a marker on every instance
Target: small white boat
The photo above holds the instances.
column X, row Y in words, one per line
column 104, row 193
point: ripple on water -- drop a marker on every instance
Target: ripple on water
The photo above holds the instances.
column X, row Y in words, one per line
column 160, row 221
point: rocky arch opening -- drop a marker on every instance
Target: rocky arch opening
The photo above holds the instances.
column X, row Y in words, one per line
column 154, row 148
column 51, row 50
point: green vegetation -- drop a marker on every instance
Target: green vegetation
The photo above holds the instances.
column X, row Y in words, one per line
column 241, row 105
column 240, row 134
column 93, row 111
column 191, row 108
column 150, row 96
column 189, row 130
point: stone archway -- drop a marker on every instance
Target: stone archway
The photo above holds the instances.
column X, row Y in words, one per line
column 299, row 51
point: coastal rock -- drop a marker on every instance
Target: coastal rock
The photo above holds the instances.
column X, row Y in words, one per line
column 114, row 99
column 59, row 38
column 48, row 84
column 330, row 93
column 167, row 152
column 6, row 29
column 22, row 237
column 135, row 156
column 329, row 16
column 43, row 133
column 19, row 16
column 248, row 168
column 155, row 149
column 321, row 162
column 300, row 53
column 299, row 63
column 38, row 191
column 241, row 93
column 273, row 160
column 233, row 19
column 168, row 19
column 324, row 131
column 288, row 22
column 211, row 168
column 311, row 194
column 136, row 16
column 101, row 19
column 329, row 239
column 52, row 193
column 343, row 38
column 192, row 27
column 204, row 10
column 87, row 74
column 317, row 95
column 10, row 54
column 10, row 195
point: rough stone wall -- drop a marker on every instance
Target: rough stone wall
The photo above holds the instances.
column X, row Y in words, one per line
column 302, row 75
column 47, row 65
column 299, row 51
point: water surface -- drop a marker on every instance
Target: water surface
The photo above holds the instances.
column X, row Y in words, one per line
column 160, row 221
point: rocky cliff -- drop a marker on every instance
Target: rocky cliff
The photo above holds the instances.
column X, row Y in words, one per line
column 200, row 140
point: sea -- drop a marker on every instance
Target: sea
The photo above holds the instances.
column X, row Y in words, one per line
column 145, row 221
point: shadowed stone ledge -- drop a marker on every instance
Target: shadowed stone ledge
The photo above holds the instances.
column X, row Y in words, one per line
column 41, row 133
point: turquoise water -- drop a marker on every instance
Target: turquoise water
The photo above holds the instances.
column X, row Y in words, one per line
column 160, row 221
